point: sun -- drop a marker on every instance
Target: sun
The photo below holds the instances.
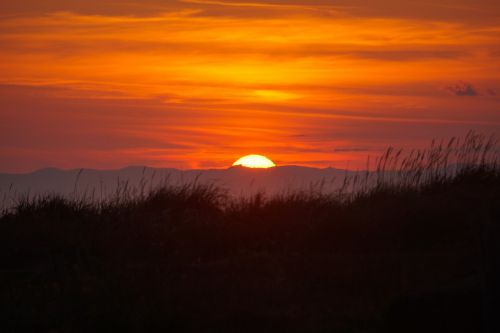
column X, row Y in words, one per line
column 254, row 161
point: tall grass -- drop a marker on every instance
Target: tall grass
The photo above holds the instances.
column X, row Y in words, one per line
column 442, row 161
column 190, row 258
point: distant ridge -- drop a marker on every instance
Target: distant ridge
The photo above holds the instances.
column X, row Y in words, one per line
column 236, row 180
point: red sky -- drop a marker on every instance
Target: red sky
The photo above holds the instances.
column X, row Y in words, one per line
column 199, row 83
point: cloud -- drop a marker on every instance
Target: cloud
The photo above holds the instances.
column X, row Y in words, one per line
column 352, row 149
column 279, row 5
column 467, row 89
column 470, row 11
column 462, row 89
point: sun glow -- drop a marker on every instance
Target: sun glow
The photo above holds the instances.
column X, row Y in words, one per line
column 254, row 161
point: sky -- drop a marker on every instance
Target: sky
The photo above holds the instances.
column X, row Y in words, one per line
column 200, row 83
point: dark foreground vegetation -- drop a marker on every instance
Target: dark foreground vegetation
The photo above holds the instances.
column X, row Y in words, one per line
column 414, row 249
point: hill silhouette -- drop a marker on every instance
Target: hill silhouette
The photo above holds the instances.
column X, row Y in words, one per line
column 237, row 181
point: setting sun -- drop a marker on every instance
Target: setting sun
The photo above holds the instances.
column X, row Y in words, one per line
column 254, row 161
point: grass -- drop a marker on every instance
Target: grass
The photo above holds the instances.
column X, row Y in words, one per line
column 410, row 246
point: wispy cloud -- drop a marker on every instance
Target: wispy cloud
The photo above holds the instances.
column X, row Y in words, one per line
column 352, row 149
column 463, row 89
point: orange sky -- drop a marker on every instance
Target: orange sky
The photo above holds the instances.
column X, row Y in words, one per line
column 199, row 83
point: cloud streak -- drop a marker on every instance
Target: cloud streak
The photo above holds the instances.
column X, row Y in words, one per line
column 463, row 89
column 181, row 79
